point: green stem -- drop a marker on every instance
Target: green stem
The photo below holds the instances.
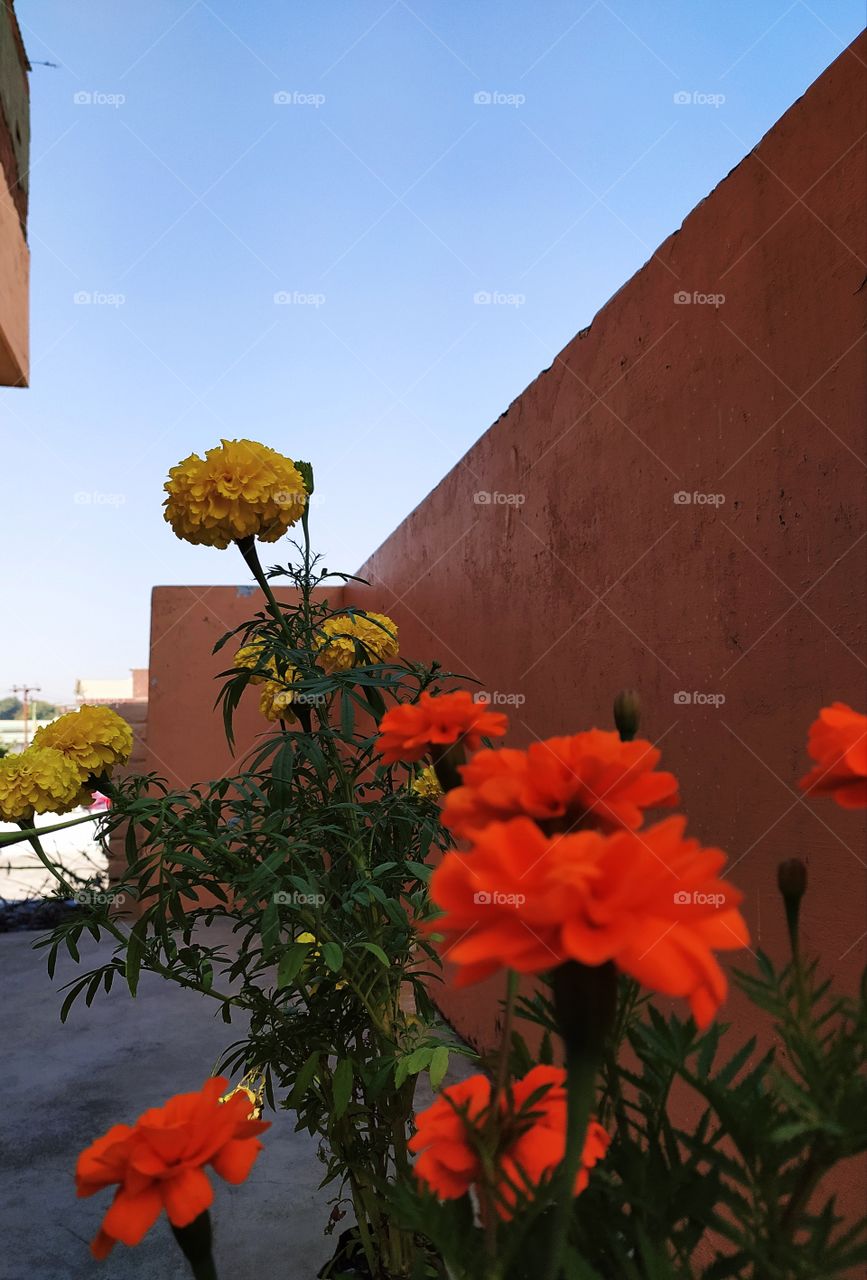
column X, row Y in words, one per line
column 580, row 1079
column 195, row 1242
column 512, row 981
column 30, row 834
column 247, row 548
column 10, row 838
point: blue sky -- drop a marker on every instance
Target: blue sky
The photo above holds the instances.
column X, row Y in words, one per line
column 194, row 160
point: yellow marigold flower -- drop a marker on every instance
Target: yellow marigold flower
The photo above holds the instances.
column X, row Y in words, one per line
column 250, row 656
column 275, row 700
column 241, row 489
column 95, row 739
column 39, row 780
column 427, row 784
column 341, row 635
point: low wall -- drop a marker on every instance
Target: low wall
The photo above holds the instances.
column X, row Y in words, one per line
column 186, row 742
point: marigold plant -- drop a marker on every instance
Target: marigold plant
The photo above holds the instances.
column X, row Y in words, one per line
column 302, row 895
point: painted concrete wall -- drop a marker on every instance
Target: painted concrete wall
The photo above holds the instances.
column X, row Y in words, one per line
column 185, row 738
column 590, row 573
column 14, row 184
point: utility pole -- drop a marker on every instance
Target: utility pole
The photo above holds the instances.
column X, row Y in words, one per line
column 25, row 690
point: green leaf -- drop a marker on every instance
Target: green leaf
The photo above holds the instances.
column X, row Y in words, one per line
column 418, row 1060
column 290, row 964
column 332, row 954
column 377, row 951
column 375, row 699
column 439, row 1065
column 134, row 951
column 419, row 870
column 270, row 927
column 303, row 1080
column 282, row 769
column 347, row 717
column 342, row 1086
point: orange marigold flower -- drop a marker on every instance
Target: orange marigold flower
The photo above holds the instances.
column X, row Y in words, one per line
column 407, row 732
column 530, row 1137
column 590, row 779
column 651, row 901
column 159, row 1162
column 838, row 744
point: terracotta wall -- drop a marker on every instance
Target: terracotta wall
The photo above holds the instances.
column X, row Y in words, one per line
column 588, row 570
column 185, row 739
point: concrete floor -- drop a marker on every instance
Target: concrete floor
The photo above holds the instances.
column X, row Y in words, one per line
column 64, row 1085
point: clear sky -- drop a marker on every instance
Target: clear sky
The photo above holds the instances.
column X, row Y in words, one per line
column 193, row 160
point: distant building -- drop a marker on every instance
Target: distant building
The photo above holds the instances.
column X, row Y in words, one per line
column 131, row 688
column 14, row 168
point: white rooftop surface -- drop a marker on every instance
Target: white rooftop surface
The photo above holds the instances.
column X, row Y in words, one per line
column 22, row 875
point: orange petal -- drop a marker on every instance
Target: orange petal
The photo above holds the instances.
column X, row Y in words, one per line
column 187, row 1195
column 130, row 1216
column 235, row 1160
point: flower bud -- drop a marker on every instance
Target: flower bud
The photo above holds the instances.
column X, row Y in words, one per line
column 792, row 882
column 305, row 471
column 792, row 878
column 627, row 713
